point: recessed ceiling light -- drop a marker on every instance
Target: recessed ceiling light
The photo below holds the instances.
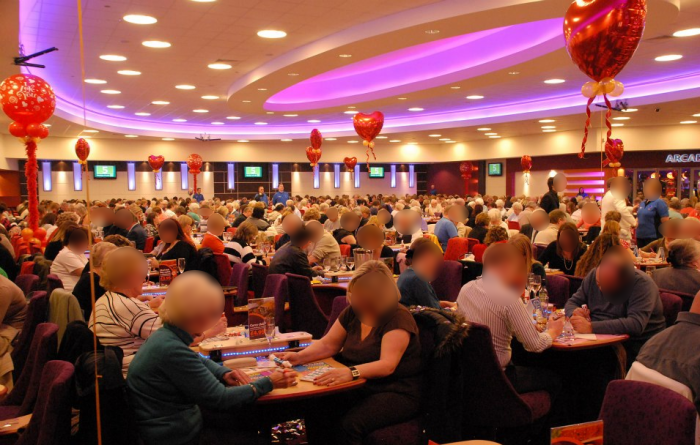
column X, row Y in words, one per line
column 402, row 98
column 47, row 125
column 630, row 110
column 554, row 81
column 687, row 32
column 490, row 134
column 130, row 136
column 86, row 137
column 219, row 66
column 455, row 87
column 412, row 143
column 292, row 74
column 185, row 87
column 415, row 109
column 286, row 140
column 345, row 56
column 621, row 118
column 330, row 139
column 156, row 44
column 617, row 125
column 116, row 107
column 179, row 120
column 217, row 123
column 233, row 118
column 200, row 110
column 262, row 89
column 696, row 115
column 271, row 34
column 313, row 121
column 245, row 101
column 90, row 131
column 450, row 142
column 243, row 141
column 350, row 112
column 269, row 112
column 141, row 113
column 110, row 92
column 444, row 139
column 668, row 58
column 95, row 81
column 432, row 31
column 513, row 73
column 351, row 108
column 138, row 19
column 353, row 142
column 129, row 73
column 494, row 137
column 548, row 131
column 546, row 121
column 261, row 123
column 168, row 139
column 204, row 1
column 290, row 115
column 689, row 122
column 395, row 140
column 548, row 127
column 210, row 97
column 483, row 129
column 112, row 58
column 475, row 97
column 160, row 102
column 434, row 135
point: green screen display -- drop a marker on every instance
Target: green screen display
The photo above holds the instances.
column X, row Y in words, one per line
column 376, row 172
column 496, row 169
column 105, row 172
column 252, row 172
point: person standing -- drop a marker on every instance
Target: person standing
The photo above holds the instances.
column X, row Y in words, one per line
column 197, row 196
column 261, row 196
column 652, row 212
column 616, row 200
column 281, row 197
column 556, row 184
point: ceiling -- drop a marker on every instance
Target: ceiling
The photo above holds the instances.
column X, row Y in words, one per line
column 404, row 54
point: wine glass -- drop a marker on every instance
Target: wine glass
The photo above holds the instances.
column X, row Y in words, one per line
column 343, row 266
column 335, row 264
column 181, row 262
column 270, row 329
column 535, row 282
column 350, row 263
column 266, row 248
column 327, row 264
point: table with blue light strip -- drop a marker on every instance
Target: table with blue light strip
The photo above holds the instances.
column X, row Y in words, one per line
column 235, row 345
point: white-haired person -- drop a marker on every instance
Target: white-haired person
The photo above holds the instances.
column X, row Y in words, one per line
column 434, row 208
column 168, row 382
column 516, row 208
column 496, row 219
column 377, row 338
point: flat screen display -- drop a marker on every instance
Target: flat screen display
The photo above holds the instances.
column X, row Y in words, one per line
column 376, row 172
column 495, row 169
column 105, row 172
column 252, row 172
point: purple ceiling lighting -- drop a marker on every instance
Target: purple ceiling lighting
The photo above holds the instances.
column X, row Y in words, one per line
column 423, row 66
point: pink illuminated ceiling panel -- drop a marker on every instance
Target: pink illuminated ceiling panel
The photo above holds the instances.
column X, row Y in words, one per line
column 423, row 66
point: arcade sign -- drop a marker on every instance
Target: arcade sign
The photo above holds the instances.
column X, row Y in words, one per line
column 683, row 158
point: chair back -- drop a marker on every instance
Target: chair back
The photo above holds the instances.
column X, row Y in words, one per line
column 686, row 298
column 53, row 283
column 345, row 250
column 478, row 251
column 239, row 278
column 27, row 267
column 51, row 420
column 434, row 239
column 640, row 413
column 276, row 286
column 63, row 309
column 305, row 312
column 231, row 230
column 538, row 249
column 148, row 248
column 456, row 249
column 448, row 282
column 472, row 271
column 37, row 313
column 471, row 242
column 672, row 305
column 558, row 290
column 43, row 349
column 79, row 339
column 223, row 268
column 574, row 283
column 28, row 283
column 277, row 238
column 260, row 272
column 339, row 305
column 513, row 225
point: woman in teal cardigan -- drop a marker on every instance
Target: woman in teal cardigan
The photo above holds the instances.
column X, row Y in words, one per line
column 168, row 381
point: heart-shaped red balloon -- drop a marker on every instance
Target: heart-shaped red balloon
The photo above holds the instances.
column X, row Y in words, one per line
column 526, row 163
column 156, row 162
column 602, row 35
column 82, row 150
column 350, row 163
column 614, row 150
column 316, row 139
column 313, row 155
column 368, row 126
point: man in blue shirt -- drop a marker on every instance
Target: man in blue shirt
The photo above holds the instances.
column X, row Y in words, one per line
column 261, row 196
column 446, row 228
column 652, row 212
column 281, row 197
column 198, row 195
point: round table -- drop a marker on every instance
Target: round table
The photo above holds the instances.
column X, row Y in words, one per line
column 600, row 341
column 474, row 442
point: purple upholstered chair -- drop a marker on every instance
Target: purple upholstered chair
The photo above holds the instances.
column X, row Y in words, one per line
column 52, row 283
column 640, row 413
column 574, row 283
column 558, row 290
column 20, row 401
column 489, row 401
column 28, row 283
column 339, row 305
column 276, row 286
column 37, row 312
column 449, row 281
column 672, row 304
column 305, row 312
column 259, row 279
column 50, row 423
column 223, row 268
column 686, row 298
column 239, row 278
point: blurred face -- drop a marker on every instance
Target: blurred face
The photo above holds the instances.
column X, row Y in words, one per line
column 620, row 187
column 512, row 274
column 332, row 214
column 247, row 212
column 609, row 275
column 79, row 245
column 652, row 189
column 261, row 190
column 167, row 232
column 281, row 188
column 291, row 224
column 428, row 265
column 350, row 224
column 539, row 220
column 559, row 182
column 383, row 216
column 567, row 241
column 373, row 297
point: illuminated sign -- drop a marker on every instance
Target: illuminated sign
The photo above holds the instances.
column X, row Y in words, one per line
column 683, row 158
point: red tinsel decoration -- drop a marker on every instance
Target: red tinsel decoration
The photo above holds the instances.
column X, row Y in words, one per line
column 30, row 171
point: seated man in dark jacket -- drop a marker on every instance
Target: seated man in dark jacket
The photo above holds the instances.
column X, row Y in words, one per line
column 135, row 232
column 291, row 258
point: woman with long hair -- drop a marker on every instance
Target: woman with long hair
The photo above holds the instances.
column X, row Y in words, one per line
column 174, row 245
column 524, row 246
column 564, row 253
column 591, row 258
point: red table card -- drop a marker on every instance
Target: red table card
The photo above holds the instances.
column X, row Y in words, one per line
column 590, row 433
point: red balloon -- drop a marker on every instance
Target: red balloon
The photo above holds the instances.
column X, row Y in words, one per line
column 156, row 162
column 27, row 99
column 43, row 131
column 602, row 35
column 18, row 130
column 194, row 162
column 368, row 126
column 34, row 130
column 313, row 155
column 316, row 139
column 526, row 163
column 350, row 163
column 614, row 150
column 82, row 150
column 40, row 233
column 466, row 168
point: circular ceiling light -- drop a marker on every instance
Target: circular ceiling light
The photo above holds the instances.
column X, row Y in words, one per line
column 345, row 56
column 185, row 87
column 330, row 139
column 483, row 129
column 110, row 92
column 395, row 140
column 490, row 134
column 381, row 137
column 630, row 110
column 243, row 141
column 168, row 139
column 689, row 122
column 554, row 81
column 455, row 87
column 233, row 118
column 217, row 123
column 156, row 44
column 200, row 110
column 210, row 97
column 286, row 140
column 475, row 97
column 546, row 121
column 90, row 131
column 621, row 118
column 141, row 113
column 116, row 107
column 494, row 137
column 402, row 98
column 95, row 81
column 353, row 142
column 160, row 102
column 350, row 112
column 548, row 127
column 313, row 121
column 434, row 135
column 129, row 73
column 617, row 125
column 245, row 101
column 112, row 58
column 687, row 32
column 513, row 73
column 261, row 123
column 696, row 115
column 262, row 89
column 432, row 31
column 219, row 66
column 415, row 109
column 130, row 136
column 444, row 139
column 548, row 131
column 292, row 74
column 272, row 34
column 290, row 115
column 668, row 58
column 179, row 120
column 138, row 19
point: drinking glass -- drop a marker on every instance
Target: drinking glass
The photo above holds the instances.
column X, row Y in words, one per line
column 335, row 264
column 270, row 329
column 650, row 270
column 266, row 248
column 343, row 265
column 350, row 263
column 327, row 264
column 181, row 263
column 535, row 282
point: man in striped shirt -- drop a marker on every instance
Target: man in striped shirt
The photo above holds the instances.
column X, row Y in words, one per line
column 494, row 300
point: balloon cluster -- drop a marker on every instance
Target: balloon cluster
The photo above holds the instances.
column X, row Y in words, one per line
column 614, row 150
column 466, row 168
column 368, row 127
column 313, row 152
column 526, row 164
column 601, row 38
column 194, row 163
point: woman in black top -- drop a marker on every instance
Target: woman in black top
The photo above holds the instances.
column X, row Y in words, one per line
column 82, row 290
column 564, row 253
column 174, row 244
column 349, row 222
column 481, row 227
column 56, row 243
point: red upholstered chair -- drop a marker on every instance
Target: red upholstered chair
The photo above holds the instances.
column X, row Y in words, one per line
column 20, row 401
column 239, row 278
column 558, row 290
column 339, row 305
column 513, row 225
column 448, row 282
column 471, row 243
column 53, row 283
column 456, row 249
column 305, row 312
column 640, row 413
column 231, row 229
column 223, row 268
column 499, row 405
column 345, row 250
column 672, row 304
column 37, row 313
column 27, row 267
column 259, row 279
column 28, row 283
column 478, row 252
column 277, row 238
column 148, row 248
column 51, row 420
column 276, row 286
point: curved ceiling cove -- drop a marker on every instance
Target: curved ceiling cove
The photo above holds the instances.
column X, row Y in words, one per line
column 423, row 66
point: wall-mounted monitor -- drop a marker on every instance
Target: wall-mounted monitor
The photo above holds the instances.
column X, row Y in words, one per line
column 376, row 172
column 105, row 172
column 495, row 169
column 252, row 172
